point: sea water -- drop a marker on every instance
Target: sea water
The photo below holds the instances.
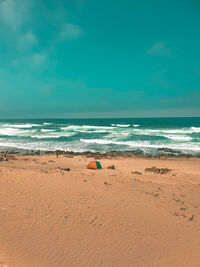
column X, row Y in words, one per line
column 140, row 135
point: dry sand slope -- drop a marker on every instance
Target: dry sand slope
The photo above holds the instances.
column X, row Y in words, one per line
column 51, row 217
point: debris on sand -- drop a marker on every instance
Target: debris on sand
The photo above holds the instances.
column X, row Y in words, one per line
column 136, row 172
column 157, row 170
column 191, row 218
column 58, row 152
column 6, row 157
column 68, row 156
column 106, row 183
column 64, row 169
column 111, row 167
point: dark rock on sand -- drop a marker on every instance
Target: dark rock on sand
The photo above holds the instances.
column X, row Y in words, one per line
column 65, row 169
column 191, row 218
column 157, row 170
column 136, row 172
column 111, row 167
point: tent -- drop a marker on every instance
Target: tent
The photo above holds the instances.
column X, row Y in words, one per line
column 94, row 165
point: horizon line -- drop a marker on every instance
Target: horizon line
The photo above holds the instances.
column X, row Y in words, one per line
column 90, row 118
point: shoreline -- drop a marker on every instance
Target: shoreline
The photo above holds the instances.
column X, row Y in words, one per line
column 98, row 155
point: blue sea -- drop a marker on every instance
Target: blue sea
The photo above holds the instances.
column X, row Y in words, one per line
column 139, row 135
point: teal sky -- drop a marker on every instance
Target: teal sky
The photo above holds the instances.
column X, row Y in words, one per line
column 102, row 58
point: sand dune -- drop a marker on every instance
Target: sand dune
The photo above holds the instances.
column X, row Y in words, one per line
column 109, row 217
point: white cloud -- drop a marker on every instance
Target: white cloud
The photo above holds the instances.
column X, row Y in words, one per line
column 14, row 13
column 18, row 34
column 27, row 41
column 8, row 12
column 15, row 19
column 38, row 59
column 71, row 32
column 34, row 62
column 160, row 49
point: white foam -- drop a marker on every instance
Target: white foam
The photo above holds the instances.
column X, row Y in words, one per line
column 167, row 131
column 47, row 130
column 96, row 127
column 47, row 123
column 136, row 125
column 145, row 144
column 119, row 135
column 176, row 131
column 178, row 137
column 181, row 146
column 46, row 145
column 87, row 128
column 57, row 135
column 26, row 125
column 181, row 131
column 123, row 125
column 161, row 132
column 195, row 129
column 98, row 141
column 71, row 127
column 45, row 136
column 15, row 132
column 91, row 132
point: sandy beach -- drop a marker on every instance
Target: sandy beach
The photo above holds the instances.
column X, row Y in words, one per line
column 110, row 217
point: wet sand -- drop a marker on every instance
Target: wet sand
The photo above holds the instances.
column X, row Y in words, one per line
column 111, row 217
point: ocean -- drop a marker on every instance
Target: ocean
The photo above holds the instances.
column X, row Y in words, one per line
column 139, row 135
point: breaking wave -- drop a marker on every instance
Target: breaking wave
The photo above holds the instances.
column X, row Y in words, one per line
column 57, row 135
column 123, row 125
column 47, row 130
column 15, row 132
column 150, row 136
column 144, row 144
column 26, row 125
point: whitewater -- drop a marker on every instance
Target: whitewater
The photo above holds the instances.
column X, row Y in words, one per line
column 143, row 136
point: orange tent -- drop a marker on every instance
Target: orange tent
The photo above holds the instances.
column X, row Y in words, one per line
column 94, row 165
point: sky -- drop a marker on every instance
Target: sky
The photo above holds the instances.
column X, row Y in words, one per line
column 102, row 58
